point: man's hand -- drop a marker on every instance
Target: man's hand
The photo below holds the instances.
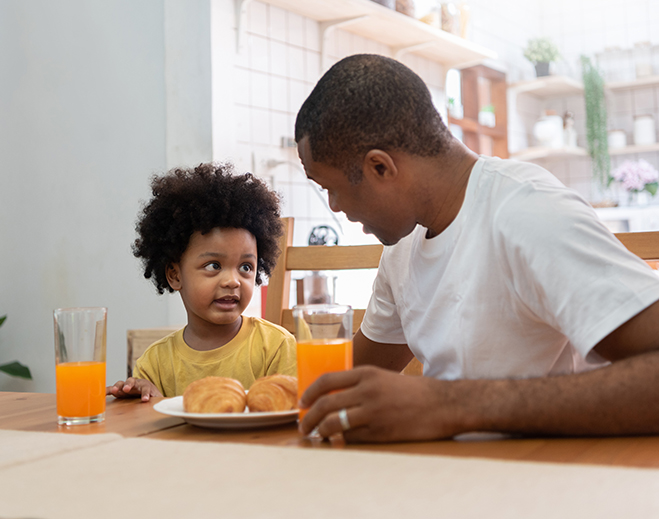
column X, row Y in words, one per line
column 133, row 387
column 382, row 406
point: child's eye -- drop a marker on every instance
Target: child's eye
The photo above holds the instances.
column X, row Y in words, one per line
column 212, row 266
column 246, row 267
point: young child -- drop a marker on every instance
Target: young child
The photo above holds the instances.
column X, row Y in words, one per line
column 210, row 235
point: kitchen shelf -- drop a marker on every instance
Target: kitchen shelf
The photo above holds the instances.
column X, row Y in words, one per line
column 400, row 32
column 542, row 152
column 636, row 83
column 627, row 150
column 482, row 86
column 549, row 86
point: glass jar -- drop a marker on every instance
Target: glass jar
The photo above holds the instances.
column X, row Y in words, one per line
column 391, row 4
column 450, row 18
column 643, row 59
column 406, row 7
column 430, row 13
column 465, row 16
column 604, row 63
column 655, row 59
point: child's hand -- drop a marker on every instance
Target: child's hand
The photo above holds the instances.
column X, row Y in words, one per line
column 133, row 387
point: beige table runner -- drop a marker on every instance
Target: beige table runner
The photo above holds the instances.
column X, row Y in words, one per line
column 173, row 479
column 20, row 446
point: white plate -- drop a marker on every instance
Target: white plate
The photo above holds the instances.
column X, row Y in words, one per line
column 174, row 407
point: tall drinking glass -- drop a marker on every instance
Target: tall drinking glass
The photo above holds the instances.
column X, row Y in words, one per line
column 80, row 344
column 324, row 342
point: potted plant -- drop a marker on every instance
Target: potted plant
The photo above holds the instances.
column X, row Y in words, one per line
column 486, row 116
column 15, row 369
column 637, row 178
column 596, row 126
column 541, row 52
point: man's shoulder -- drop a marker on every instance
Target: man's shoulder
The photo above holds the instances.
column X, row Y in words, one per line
column 518, row 174
column 514, row 190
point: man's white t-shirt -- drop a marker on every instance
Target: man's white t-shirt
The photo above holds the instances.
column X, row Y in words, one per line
column 523, row 283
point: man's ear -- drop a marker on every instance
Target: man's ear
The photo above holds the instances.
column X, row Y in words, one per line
column 380, row 164
column 173, row 274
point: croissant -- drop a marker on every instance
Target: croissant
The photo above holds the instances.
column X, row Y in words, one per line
column 214, row 395
column 273, row 393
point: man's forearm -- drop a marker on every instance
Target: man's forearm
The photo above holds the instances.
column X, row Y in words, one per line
column 393, row 357
column 622, row 398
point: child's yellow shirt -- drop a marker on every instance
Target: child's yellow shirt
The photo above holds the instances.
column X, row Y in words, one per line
column 260, row 348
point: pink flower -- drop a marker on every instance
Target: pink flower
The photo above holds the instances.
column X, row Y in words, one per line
column 635, row 175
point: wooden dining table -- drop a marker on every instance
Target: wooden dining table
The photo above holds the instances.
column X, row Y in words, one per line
column 132, row 418
column 596, row 468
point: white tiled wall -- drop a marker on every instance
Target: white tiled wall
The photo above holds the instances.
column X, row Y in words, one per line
column 590, row 26
column 280, row 62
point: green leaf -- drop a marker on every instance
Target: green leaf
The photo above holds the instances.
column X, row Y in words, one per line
column 16, row 369
column 652, row 188
column 2, row 319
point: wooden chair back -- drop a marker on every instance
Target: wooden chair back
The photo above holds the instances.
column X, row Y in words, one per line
column 312, row 258
column 644, row 244
column 139, row 340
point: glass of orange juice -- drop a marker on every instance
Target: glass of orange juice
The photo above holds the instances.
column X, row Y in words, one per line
column 80, row 343
column 324, row 342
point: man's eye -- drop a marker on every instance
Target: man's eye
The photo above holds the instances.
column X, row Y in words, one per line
column 212, row 266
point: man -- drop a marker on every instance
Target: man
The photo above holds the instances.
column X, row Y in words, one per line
column 528, row 315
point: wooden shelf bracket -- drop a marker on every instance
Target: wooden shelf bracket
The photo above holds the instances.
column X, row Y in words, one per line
column 399, row 52
column 326, row 29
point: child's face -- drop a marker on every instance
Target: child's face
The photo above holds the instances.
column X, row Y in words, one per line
column 216, row 275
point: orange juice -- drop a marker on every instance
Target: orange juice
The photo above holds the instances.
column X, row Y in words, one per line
column 318, row 356
column 80, row 389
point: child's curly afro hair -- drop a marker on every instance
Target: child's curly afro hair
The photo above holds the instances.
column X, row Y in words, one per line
column 211, row 195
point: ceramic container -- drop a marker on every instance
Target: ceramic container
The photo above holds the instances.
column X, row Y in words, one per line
column 548, row 131
column 569, row 133
column 644, row 130
column 617, row 139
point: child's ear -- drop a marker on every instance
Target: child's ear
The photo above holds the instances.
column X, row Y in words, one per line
column 173, row 276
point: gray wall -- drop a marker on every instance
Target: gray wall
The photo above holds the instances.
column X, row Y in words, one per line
column 92, row 102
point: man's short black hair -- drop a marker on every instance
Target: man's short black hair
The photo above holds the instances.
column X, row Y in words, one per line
column 366, row 102
column 185, row 201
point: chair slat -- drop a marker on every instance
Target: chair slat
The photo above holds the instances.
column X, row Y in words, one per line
column 345, row 257
column 644, row 244
column 139, row 340
column 278, row 293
